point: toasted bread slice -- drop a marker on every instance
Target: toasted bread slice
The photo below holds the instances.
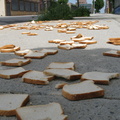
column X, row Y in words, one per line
column 79, row 46
column 12, row 73
column 36, row 77
column 99, row 77
column 51, row 111
column 112, row 53
column 65, row 47
column 114, row 39
column 22, row 52
column 56, row 41
column 7, row 46
column 83, row 90
column 49, row 51
column 10, row 49
column 16, row 62
column 35, row 55
column 62, row 65
column 64, row 73
column 88, row 42
column 10, row 102
column 67, row 42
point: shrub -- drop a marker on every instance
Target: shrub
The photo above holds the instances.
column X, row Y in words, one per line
column 81, row 11
column 56, row 12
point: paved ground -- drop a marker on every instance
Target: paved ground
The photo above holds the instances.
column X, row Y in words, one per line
column 89, row 59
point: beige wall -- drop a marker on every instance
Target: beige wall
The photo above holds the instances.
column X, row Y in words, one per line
column 2, row 8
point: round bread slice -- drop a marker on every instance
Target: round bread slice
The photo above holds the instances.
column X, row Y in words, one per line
column 112, row 53
column 16, row 62
column 37, row 77
column 51, row 111
column 83, row 90
column 99, row 77
column 12, row 73
column 10, row 102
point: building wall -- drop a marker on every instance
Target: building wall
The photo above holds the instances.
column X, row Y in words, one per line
column 117, row 3
column 82, row 2
column 2, row 8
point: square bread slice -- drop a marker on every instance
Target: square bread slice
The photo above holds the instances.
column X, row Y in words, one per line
column 10, row 102
column 88, row 42
column 112, row 53
column 35, row 55
column 82, row 39
column 63, row 65
column 49, row 51
column 10, row 49
column 99, row 77
column 51, row 111
column 37, row 77
column 16, row 62
column 83, row 90
column 64, row 73
column 7, row 46
column 12, row 73
column 67, row 42
column 79, row 46
column 22, row 52
column 56, row 41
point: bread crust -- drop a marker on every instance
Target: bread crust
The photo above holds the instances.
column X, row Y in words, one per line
column 76, row 97
column 111, row 55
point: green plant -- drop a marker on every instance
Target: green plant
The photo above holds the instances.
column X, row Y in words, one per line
column 81, row 11
column 99, row 4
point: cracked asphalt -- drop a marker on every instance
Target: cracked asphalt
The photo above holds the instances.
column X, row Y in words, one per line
column 86, row 60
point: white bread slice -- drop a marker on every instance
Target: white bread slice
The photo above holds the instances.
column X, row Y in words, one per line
column 60, row 85
column 56, row 41
column 10, row 49
column 88, row 42
column 7, row 46
column 48, row 28
column 83, row 90
column 65, row 65
column 67, row 42
column 65, row 47
column 35, row 55
column 10, row 102
column 99, row 77
column 49, row 51
column 64, row 73
column 82, row 39
column 36, row 77
column 51, row 111
column 22, row 52
column 12, row 73
column 16, row 62
column 79, row 46
column 112, row 53
column 70, row 32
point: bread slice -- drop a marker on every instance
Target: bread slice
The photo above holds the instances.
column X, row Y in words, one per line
column 10, row 49
column 35, row 55
column 62, row 65
column 67, row 42
column 114, row 38
column 65, row 47
column 32, row 34
column 22, row 52
column 16, row 62
column 99, row 77
column 7, row 46
column 77, row 36
column 60, row 85
column 49, row 51
column 10, row 102
column 88, row 42
column 56, row 41
column 70, row 32
column 37, row 77
column 71, row 29
column 82, row 39
column 51, row 111
column 83, row 90
column 25, row 32
column 61, row 30
column 64, row 73
column 79, row 46
column 12, row 73
column 112, row 53
column 48, row 28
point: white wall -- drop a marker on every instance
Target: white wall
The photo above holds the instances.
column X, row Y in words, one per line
column 2, row 8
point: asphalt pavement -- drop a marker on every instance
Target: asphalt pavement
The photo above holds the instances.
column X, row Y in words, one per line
column 86, row 60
